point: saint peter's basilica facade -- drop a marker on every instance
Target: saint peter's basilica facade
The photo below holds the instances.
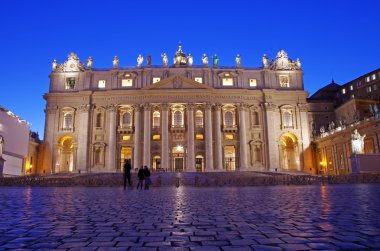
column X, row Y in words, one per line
column 177, row 117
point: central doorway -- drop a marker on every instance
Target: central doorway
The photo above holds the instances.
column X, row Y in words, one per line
column 230, row 158
column 125, row 154
column 178, row 154
column 289, row 152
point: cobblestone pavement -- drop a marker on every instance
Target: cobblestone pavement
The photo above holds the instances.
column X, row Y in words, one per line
column 186, row 218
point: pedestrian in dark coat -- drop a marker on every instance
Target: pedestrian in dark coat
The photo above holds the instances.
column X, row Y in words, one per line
column 127, row 173
column 140, row 175
column 147, row 178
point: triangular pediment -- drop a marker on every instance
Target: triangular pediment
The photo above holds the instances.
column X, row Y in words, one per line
column 177, row 82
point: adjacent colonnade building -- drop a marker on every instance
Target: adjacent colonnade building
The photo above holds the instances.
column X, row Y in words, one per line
column 179, row 117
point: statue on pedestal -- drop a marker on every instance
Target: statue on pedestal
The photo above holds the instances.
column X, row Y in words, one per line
column 115, row 62
column 140, row 61
column 190, row 60
column 238, row 61
column 148, row 61
column 204, row 60
column 1, row 145
column 164, row 60
column 265, row 61
column 89, row 62
column 298, row 63
column 357, row 142
column 215, row 60
column 54, row 65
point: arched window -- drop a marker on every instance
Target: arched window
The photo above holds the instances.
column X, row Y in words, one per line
column 68, row 121
column 98, row 120
column 156, row 119
column 178, row 119
column 288, row 120
column 127, row 119
column 199, row 118
column 228, row 119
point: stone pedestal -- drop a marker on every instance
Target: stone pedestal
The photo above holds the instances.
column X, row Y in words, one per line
column 2, row 161
column 365, row 163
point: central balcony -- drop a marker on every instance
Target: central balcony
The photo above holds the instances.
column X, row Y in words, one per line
column 230, row 128
column 125, row 129
column 177, row 128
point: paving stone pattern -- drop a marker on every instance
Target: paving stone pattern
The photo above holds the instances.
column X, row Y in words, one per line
column 333, row 217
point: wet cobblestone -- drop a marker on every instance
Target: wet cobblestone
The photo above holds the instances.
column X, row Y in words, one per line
column 334, row 217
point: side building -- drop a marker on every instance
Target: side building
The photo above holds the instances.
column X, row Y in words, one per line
column 335, row 112
column 179, row 117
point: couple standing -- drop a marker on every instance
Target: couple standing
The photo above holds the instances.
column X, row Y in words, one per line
column 143, row 174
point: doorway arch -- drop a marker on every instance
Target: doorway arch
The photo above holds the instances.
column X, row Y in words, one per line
column 289, row 152
column 66, row 154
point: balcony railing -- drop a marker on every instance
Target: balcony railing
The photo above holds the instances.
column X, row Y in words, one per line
column 125, row 129
column 230, row 128
column 177, row 128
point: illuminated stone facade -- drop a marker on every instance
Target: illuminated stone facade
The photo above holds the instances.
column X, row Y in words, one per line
column 179, row 117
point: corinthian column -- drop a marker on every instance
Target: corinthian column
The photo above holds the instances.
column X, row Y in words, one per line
column 146, row 161
column 190, row 138
column 243, row 136
column 111, row 137
column 165, row 138
column 137, row 138
column 218, row 135
column 82, row 157
column 208, row 143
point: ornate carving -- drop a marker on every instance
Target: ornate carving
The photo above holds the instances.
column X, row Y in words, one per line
column 84, row 107
column 217, row 107
column 137, row 107
column 243, row 107
column 270, row 106
column 283, row 62
column 72, row 64
column 164, row 107
column 111, row 108
column 208, row 106
column 147, row 107
column 304, row 107
column 357, row 142
column 177, row 82
column 190, row 107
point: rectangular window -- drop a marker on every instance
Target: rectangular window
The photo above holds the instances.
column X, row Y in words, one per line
column 359, row 83
column 352, row 96
column 253, row 82
column 373, row 77
column 156, row 137
column 343, row 91
column 127, row 82
column 351, row 87
column 227, row 82
column 156, row 79
column 70, row 83
column 284, row 80
column 101, row 84
column 198, row 136
column 229, row 136
column 374, row 87
column 369, row 89
column 199, row 80
column 126, row 137
column 367, row 79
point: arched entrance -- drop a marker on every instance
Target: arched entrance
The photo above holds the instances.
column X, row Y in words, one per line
column 289, row 152
column 65, row 154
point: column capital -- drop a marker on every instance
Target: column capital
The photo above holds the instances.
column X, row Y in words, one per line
column 111, row 107
column 147, row 107
column 269, row 106
column 208, row 106
column 243, row 107
column 217, row 107
column 303, row 107
column 84, row 107
column 51, row 109
column 164, row 107
column 137, row 107
column 190, row 107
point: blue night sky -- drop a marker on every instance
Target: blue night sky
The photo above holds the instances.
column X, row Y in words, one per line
column 338, row 39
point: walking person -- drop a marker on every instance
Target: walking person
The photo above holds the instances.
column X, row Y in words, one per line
column 147, row 178
column 140, row 175
column 127, row 173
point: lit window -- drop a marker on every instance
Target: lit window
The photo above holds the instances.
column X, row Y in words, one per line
column 156, row 79
column 127, row 82
column 352, row 96
column 101, row 84
column 199, row 80
column 126, row 137
column 369, row 89
column 199, row 136
column 284, row 80
column 351, row 87
column 70, row 83
column 227, row 81
column 199, row 118
column 68, row 121
column 252, row 82
column 156, row 137
column 288, row 120
column 229, row 136
column 373, row 76
column 156, row 119
column 367, row 79
column 228, row 119
column 127, row 119
column 344, row 91
column 178, row 121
